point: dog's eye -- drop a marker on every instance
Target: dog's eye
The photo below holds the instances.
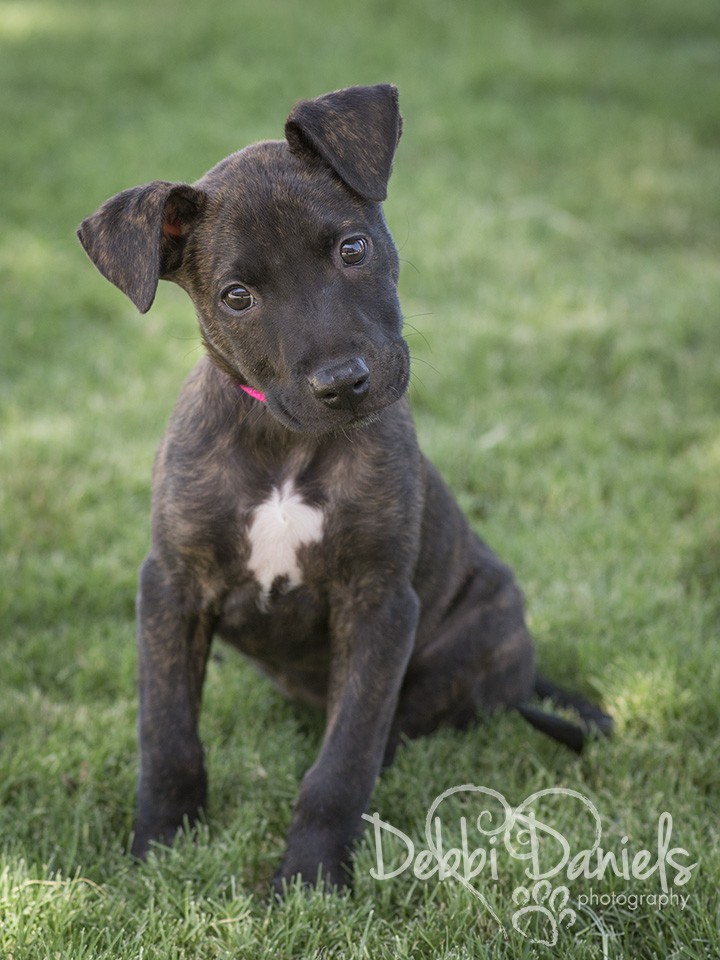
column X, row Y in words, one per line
column 238, row 298
column 354, row 251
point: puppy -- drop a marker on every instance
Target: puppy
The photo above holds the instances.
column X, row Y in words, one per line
column 293, row 513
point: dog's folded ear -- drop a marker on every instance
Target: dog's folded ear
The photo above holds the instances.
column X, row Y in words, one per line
column 355, row 131
column 139, row 236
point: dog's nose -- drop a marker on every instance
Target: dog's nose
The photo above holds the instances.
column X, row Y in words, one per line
column 341, row 386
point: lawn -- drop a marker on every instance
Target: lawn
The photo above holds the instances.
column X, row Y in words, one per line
column 556, row 203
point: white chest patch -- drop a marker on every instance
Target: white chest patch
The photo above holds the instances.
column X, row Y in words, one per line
column 278, row 528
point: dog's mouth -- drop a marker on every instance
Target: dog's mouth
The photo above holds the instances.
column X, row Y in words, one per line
column 303, row 408
column 336, row 422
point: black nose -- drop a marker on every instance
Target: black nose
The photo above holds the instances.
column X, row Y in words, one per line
column 343, row 385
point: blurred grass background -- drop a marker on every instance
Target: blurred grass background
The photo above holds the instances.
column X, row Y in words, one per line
column 556, row 203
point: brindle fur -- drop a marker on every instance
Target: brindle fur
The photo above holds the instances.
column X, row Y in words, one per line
column 404, row 619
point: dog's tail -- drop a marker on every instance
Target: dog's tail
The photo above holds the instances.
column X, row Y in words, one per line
column 593, row 719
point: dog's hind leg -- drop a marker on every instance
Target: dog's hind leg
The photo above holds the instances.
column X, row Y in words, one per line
column 482, row 659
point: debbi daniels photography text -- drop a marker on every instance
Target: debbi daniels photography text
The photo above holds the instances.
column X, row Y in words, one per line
column 497, row 833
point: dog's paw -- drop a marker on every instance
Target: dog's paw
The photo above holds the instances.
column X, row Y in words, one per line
column 335, row 878
column 155, row 834
column 147, row 836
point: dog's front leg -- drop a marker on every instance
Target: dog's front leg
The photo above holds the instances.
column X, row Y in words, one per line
column 174, row 641
column 372, row 643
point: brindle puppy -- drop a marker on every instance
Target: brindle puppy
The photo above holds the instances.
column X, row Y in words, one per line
column 293, row 513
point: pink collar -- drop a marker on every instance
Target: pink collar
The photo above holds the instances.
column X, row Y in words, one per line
column 251, row 392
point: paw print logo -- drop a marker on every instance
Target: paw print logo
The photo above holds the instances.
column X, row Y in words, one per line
column 545, row 905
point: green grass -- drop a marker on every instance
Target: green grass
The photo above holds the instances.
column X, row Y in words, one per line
column 556, row 202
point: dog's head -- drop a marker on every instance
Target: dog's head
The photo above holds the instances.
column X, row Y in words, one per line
column 285, row 253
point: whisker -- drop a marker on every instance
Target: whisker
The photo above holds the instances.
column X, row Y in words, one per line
column 401, row 245
column 234, row 410
column 198, row 346
column 410, row 264
column 426, row 362
column 418, row 333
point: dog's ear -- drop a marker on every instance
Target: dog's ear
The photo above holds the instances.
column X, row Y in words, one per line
column 355, row 131
column 139, row 236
